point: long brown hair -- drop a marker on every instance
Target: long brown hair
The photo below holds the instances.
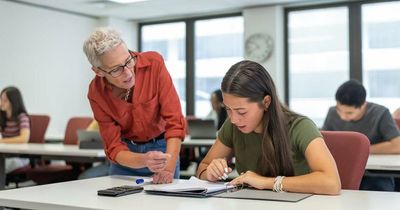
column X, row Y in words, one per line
column 248, row 79
column 17, row 105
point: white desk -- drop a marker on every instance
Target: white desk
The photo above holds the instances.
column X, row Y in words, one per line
column 47, row 151
column 82, row 194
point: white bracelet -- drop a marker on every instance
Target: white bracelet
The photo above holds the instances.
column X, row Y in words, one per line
column 278, row 187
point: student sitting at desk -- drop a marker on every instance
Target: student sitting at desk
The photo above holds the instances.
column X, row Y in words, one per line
column 14, row 124
column 274, row 147
column 353, row 113
column 218, row 112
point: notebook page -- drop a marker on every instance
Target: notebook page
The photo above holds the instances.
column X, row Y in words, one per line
column 193, row 184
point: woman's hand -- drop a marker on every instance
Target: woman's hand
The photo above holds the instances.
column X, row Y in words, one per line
column 156, row 161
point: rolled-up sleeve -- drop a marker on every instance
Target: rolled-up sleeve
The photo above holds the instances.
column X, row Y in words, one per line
column 109, row 131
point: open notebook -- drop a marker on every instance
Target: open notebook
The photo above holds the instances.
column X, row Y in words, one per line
column 193, row 187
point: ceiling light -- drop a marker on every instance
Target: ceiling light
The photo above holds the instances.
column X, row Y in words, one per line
column 126, row 1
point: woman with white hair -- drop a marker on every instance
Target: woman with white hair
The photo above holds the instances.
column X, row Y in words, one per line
column 136, row 106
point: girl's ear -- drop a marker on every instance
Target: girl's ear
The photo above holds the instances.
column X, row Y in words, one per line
column 267, row 101
column 97, row 71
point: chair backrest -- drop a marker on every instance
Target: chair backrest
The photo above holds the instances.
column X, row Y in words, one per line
column 39, row 124
column 350, row 151
column 397, row 120
column 73, row 125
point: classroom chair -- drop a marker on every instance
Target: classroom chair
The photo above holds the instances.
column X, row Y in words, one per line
column 350, row 151
column 57, row 173
column 39, row 124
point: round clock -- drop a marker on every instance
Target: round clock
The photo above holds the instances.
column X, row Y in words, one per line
column 258, row 47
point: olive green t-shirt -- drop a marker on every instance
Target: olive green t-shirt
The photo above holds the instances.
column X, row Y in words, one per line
column 247, row 147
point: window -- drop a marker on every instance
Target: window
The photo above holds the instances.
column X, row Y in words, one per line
column 218, row 45
column 318, row 59
column 169, row 40
column 381, row 53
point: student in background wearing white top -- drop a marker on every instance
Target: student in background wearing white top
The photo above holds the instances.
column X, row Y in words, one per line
column 14, row 124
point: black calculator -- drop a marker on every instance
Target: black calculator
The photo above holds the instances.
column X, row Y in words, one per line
column 120, row 191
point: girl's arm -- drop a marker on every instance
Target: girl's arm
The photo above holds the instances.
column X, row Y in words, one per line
column 23, row 137
column 323, row 178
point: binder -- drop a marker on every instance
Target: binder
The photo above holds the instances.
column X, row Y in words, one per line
column 267, row 195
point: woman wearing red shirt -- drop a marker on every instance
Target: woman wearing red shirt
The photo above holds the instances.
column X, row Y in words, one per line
column 137, row 108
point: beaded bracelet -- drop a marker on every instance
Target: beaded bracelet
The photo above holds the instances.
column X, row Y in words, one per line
column 278, row 187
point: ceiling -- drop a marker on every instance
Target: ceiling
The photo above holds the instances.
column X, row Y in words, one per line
column 154, row 9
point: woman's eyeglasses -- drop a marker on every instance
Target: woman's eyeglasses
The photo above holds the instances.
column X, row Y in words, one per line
column 117, row 71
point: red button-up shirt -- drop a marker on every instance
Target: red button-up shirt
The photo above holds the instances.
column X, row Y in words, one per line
column 155, row 106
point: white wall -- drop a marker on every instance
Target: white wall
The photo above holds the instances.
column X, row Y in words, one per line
column 41, row 53
column 129, row 30
column 269, row 20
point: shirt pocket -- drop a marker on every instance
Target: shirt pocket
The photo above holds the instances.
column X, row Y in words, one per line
column 150, row 113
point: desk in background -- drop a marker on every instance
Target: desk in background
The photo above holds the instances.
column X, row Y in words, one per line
column 383, row 165
column 377, row 165
column 188, row 142
column 47, row 152
column 82, row 194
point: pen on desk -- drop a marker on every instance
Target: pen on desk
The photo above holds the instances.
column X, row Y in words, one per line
column 139, row 181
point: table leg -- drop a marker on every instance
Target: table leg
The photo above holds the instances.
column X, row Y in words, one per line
column 2, row 172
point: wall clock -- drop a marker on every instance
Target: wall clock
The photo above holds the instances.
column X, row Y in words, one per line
column 258, row 47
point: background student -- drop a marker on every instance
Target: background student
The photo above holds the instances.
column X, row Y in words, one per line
column 14, row 124
column 137, row 107
column 218, row 112
column 353, row 113
column 274, row 147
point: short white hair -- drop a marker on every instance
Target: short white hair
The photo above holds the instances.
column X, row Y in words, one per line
column 99, row 42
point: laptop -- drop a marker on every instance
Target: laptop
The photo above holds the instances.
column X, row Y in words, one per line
column 89, row 140
column 202, row 129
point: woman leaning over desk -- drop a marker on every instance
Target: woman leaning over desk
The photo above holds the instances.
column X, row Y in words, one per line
column 274, row 147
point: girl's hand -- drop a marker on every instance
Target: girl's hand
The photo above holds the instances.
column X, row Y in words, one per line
column 249, row 178
column 218, row 170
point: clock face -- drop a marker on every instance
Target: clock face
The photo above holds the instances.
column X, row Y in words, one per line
column 258, row 47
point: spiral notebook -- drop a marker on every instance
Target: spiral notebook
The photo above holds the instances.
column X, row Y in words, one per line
column 193, row 187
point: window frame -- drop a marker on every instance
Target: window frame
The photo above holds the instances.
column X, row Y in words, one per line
column 355, row 38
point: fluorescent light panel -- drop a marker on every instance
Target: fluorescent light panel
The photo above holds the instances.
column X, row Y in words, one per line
column 126, row 1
